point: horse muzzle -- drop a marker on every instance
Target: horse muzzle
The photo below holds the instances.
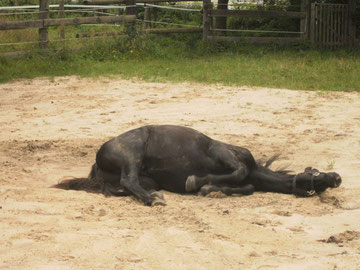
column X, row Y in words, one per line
column 337, row 180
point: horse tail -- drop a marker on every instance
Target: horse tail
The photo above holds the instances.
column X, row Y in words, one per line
column 92, row 174
column 90, row 184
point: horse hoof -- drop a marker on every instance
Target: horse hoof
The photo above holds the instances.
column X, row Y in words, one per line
column 158, row 202
column 157, row 194
column 190, row 184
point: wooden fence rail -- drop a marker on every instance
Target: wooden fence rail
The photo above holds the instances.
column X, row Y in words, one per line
column 145, row 31
column 118, row 2
column 65, row 21
column 255, row 13
column 256, row 40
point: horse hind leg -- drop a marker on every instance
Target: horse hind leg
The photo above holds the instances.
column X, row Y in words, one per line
column 158, row 198
column 110, row 186
column 109, row 190
column 150, row 185
column 109, row 182
column 145, row 182
column 194, row 183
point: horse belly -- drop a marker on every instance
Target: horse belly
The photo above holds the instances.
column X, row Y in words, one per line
column 169, row 181
column 173, row 153
column 174, row 165
column 171, row 173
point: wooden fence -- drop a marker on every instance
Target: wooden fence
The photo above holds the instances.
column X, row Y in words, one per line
column 324, row 24
column 209, row 33
column 330, row 24
column 44, row 22
column 327, row 25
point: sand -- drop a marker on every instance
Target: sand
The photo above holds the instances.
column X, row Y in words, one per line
column 51, row 129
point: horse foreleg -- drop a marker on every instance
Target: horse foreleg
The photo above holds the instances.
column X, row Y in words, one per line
column 194, row 182
column 220, row 154
column 244, row 190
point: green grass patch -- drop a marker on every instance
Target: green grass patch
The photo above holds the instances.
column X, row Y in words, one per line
column 178, row 58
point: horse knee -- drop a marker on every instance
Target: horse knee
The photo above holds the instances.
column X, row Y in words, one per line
column 241, row 173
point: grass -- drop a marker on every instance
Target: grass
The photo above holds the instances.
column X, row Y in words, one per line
column 178, row 58
column 330, row 165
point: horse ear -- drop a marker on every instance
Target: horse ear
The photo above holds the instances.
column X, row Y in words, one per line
column 311, row 170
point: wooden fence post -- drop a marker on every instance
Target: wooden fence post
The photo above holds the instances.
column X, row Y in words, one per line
column 305, row 23
column 147, row 17
column 131, row 10
column 312, row 26
column 206, row 18
column 221, row 21
column 155, row 13
column 16, row 4
column 62, row 15
column 43, row 32
column 352, row 24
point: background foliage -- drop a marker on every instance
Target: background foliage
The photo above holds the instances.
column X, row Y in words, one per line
column 184, row 57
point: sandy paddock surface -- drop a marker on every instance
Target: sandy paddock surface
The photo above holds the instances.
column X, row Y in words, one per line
column 51, row 129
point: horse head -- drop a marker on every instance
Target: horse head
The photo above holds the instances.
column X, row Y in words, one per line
column 313, row 181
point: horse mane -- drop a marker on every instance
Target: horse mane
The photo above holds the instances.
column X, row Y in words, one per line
column 267, row 163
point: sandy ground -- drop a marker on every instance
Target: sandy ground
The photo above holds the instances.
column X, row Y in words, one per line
column 51, row 129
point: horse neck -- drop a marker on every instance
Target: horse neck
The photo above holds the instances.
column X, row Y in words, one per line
column 265, row 179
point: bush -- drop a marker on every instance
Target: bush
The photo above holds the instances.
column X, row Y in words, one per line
column 19, row 2
column 267, row 24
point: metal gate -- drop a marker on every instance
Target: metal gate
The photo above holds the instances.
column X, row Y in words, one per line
column 330, row 24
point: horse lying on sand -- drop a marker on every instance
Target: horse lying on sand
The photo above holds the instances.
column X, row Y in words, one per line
column 142, row 161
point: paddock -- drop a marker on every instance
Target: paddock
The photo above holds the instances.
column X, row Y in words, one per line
column 324, row 24
column 51, row 129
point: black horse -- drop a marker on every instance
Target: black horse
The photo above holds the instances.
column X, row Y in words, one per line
column 180, row 159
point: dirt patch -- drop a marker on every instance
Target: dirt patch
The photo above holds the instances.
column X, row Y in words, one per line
column 343, row 237
column 51, row 129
